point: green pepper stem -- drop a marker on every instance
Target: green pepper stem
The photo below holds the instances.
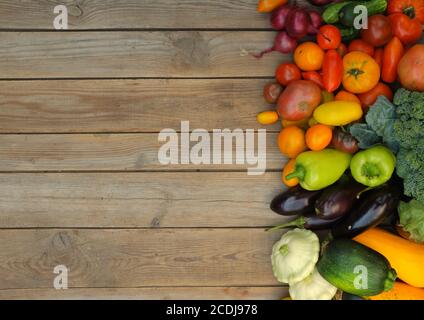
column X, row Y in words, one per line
column 299, row 173
column 299, row 223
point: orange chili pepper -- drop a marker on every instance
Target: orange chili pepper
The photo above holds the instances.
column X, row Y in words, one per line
column 270, row 5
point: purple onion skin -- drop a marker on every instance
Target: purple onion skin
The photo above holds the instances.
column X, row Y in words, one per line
column 297, row 23
column 283, row 43
column 279, row 17
column 316, row 22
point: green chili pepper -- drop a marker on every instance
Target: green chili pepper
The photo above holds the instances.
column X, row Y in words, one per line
column 319, row 169
column 374, row 166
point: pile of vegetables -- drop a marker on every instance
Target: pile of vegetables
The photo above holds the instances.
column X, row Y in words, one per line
column 351, row 105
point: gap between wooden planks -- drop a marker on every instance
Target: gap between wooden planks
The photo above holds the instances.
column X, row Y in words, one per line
column 144, row 105
column 138, row 200
column 164, row 54
column 136, row 258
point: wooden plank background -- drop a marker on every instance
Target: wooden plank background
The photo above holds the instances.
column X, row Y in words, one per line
column 80, row 183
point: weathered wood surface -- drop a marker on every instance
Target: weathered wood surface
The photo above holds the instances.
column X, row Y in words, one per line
column 156, row 293
column 130, row 105
column 189, row 54
column 112, row 152
column 137, row 258
column 169, row 199
column 134, row 14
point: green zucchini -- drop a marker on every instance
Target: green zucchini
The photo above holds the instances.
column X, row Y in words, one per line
column 331, row 13
column 347, row 15
column 355, row 269
column 348, row 34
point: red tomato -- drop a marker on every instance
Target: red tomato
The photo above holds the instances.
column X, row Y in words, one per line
column 379, row 30
column 329, row 37
column 332, row 70
column 381, row 89
column 408, row 30
column 287, row 72
column 342, row 50
column 313, row 76
column 361, row 45
column 412, row 8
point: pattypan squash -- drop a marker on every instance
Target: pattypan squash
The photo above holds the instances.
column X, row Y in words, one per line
column 294, row 256
column 313, row 287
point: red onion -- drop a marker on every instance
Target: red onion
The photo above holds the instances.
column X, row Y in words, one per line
column 283, row 43
column 279, row 17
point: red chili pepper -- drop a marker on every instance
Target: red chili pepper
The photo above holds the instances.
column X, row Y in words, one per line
column 332, row 70
column 393, row 52
column 313, row 76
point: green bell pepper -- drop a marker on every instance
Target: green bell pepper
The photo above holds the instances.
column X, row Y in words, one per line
column 319, row 169
column 374, row 166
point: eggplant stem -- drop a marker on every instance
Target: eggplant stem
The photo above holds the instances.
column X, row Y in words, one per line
column 359, row 194
column 298, row 223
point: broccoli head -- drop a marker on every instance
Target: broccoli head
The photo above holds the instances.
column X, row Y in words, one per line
column 409, row 166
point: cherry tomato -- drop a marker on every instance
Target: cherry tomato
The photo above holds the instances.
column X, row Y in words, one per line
column 406, row 29
column 332, row 70
column 361, row 45
column 393, row 52
column 313, row 76
column 287, row 72
column 318, row 137
column 272, row 91
column 369, row 98
column 329, row 37
column 379, row 31
column 346, row 96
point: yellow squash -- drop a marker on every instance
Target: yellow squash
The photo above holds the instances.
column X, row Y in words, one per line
column 400, row 291
column 405, row 256
column 338, row 113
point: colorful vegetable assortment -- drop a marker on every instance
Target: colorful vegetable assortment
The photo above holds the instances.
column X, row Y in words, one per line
column 351, row 104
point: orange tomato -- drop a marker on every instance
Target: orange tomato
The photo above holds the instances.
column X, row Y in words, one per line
column 289, row 168
column 291, row 141
column 346, row 96
column 308, row 56
column 381, row 89
column 267, row 117
column 318, row 137
column 361, row 45
column 361, row 73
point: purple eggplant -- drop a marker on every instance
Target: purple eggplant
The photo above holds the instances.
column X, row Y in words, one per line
column 295, row 201
column 310, row 222
column 337, row 200
column 375, row 206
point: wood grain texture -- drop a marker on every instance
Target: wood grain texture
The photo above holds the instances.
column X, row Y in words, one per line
column 128, row 14
column 158, row 293
column 136, row 54
column 149, row 200
column 135, row 258
column 111, row 152
column 130, row 105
